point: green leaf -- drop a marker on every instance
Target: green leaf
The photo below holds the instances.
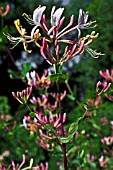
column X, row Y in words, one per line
column 58, row 77
column 14, row 74
column 32, row 114
column 67, row 139
column 49, row 127
column 73, row 125
column 85, row 107
column 72, row 130
column 25, row 68
column 71, row 97
column 1, row 40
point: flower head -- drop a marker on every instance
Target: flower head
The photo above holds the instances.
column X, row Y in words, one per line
column 82, row 20
column 102, row 87
column 39, row 82
column 107, row 75
column 23, row 96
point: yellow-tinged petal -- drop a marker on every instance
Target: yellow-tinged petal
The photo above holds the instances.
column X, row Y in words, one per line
column 90, row 38
column 37, row 35
column 21, row 30
column 25, row 47
column 38, row 45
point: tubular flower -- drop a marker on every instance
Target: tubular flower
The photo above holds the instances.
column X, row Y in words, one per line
column 23, row 96
column 107, row 140
column 39, row 82
column 23, row 37
column 102, row 87
column 107, row 75
column 55, row 18
column 3, row 12
column 37, row 16
column 46, row 139
column 83, row 20
column 43, row 101
column 18, row 167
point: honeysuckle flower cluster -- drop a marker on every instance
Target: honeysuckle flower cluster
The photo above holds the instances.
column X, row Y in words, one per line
column 90, row 158
column 103, row 161
column 102, row 87
column 107, row 75
column 15, row 166
column 23, row 96
column 54, row 34
column 4, row 11
column 107, row 140
column 92, row 105
column 39, row 82
column 45, row 139
column 44, row 100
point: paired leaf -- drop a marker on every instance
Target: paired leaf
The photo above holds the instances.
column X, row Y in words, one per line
column 72, row 130
column 58, row 77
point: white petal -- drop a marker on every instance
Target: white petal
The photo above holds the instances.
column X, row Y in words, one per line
column 55, row 16
column 33, row 30
column 37, row 14
column 28, row 77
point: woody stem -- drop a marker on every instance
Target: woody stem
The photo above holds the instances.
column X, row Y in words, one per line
column 61, row 119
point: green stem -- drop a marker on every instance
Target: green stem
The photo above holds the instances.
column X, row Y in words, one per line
column 68, row 86
column 2, row 22
column 61, row 119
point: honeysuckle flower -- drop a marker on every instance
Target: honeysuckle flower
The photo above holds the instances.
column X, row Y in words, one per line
column 17, row 166
column 54, row 36
column 54, row 120
column 3, row 12
column 107, row 140
column 45, row 141
column 31, row 124
column 39, row 82
column 90, row 158
column 107, row 75
column 41, row 166
column 23, row 96
column 103, row 161
column 102, row 87
column 109, row 97
column 23, row 37
column 82, row 24
column 44, row 103
column 39, row 101
column 56, row 15
column 83, row 20
column 95, row 103
column 37, row 16
column 55, row 18
column 90, row 38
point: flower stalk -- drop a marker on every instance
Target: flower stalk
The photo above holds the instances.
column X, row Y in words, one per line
column 61, row 119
